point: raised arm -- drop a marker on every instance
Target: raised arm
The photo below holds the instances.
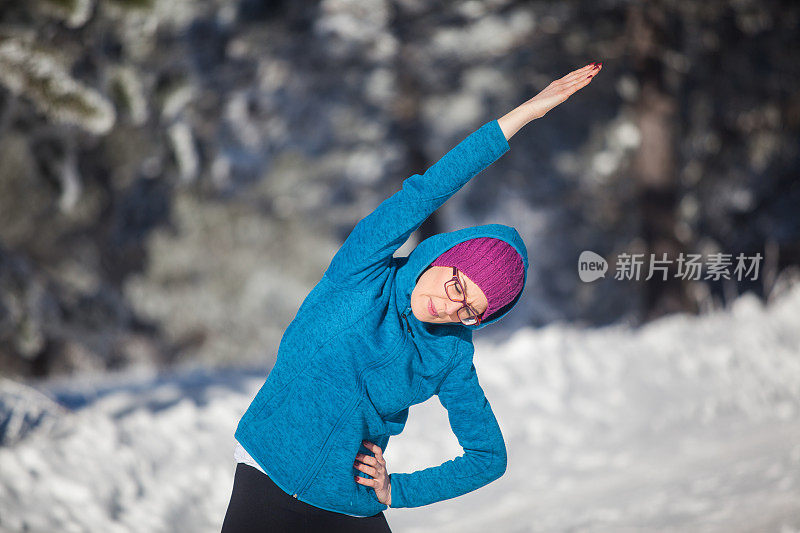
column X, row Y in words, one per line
column 474, row 424
column 368, row 249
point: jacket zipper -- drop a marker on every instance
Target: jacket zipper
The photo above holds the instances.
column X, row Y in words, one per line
column 405, row 315
column 312, row 471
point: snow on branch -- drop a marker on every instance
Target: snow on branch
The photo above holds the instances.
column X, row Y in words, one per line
column 37, row 76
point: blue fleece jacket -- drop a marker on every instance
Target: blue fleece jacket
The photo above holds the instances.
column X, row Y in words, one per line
column 355, row 358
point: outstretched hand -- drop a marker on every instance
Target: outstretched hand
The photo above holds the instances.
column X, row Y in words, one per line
column 375, row 467
column 552, row 95
column 561, row 89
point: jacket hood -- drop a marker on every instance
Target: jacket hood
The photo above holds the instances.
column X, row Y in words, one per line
column 427, row 251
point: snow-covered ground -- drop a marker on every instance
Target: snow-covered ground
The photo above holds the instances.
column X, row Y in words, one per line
column 688, row 424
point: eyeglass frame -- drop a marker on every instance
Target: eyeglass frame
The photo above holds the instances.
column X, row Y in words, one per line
column 464, row 301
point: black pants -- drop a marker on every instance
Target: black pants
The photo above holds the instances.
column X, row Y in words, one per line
column 259, row 505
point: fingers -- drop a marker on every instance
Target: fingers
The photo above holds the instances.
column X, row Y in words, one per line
column 581, row 74
column 373, row 466
column 576, row 74
column 368, row 459
column 594, row 70
column 369, row 464
column 379, row 481
column 583, row 71
column 581, row 81
column 364, row 481
column 366, row 469
column 374, row 448
column 577, row 84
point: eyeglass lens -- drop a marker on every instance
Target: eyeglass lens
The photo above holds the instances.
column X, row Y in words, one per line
column 456, row 293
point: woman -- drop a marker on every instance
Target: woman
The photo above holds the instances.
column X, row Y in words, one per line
column 376, row 335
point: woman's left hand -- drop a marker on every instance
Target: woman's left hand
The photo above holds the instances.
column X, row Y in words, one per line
column 561, row 89
column 551, row 96
column 375, row 467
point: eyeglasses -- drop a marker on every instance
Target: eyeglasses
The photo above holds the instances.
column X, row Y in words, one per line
column 455, row 291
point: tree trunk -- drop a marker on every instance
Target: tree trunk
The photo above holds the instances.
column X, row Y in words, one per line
column 654, row 165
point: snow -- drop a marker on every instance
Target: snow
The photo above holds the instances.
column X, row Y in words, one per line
column 687, row 424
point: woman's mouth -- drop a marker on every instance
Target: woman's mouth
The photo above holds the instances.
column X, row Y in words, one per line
column 431, row 309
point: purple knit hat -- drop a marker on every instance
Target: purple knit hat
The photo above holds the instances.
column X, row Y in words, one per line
column 493, row 264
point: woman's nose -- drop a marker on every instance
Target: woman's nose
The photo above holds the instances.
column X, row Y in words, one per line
column 451, row 307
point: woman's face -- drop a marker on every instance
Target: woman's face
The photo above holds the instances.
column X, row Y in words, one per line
column 429, row 301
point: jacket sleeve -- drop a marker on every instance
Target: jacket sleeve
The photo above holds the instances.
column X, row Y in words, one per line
column 368, row 249
column 474, row 424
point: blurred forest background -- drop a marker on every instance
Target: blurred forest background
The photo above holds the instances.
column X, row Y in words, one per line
column 176, row 175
